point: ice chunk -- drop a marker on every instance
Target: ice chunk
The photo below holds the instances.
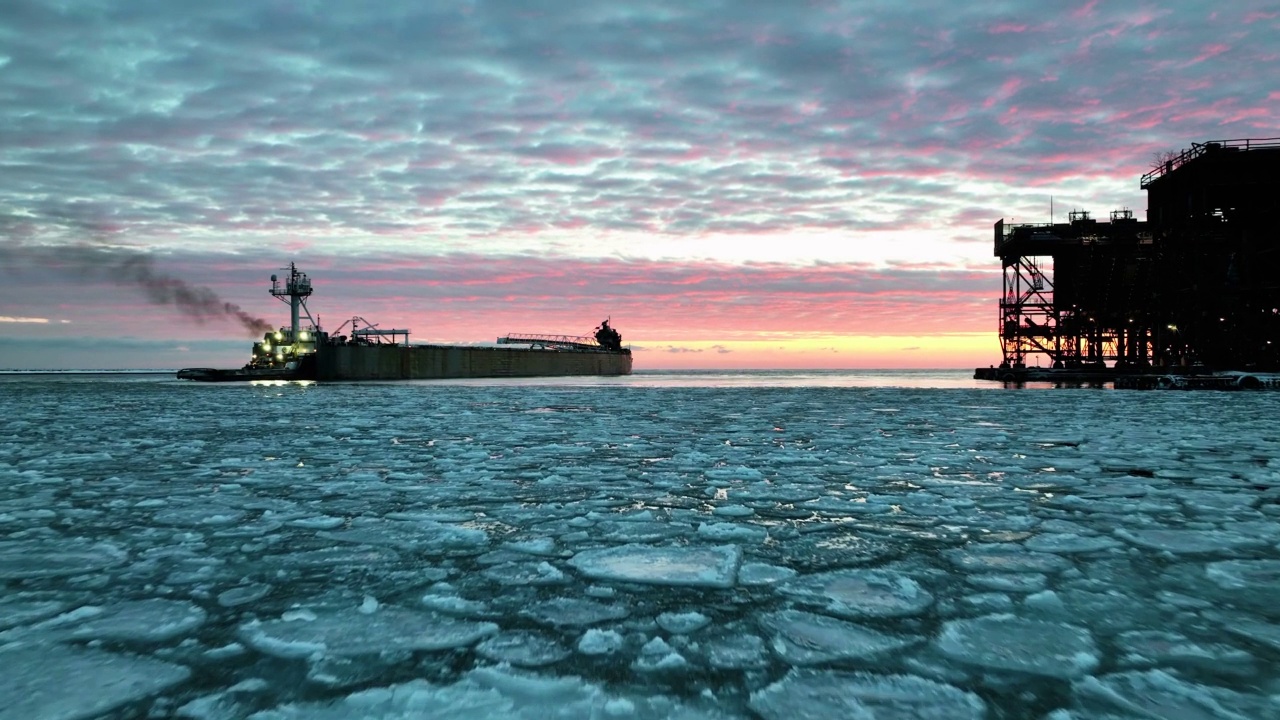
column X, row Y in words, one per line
column 232, row 703
column 762, row 574
column 1008, row 642
column 355, row 633
column 713, row 566
column 1069, row 543
column 243, row 594
column 828, row 547
column 1004, row 558
column 1145, row 648
column 574, row 612
column 454, row 605
column 523, row 649
column 657, row 656
column 60, row 682
column 683, row 623
column 490, row 693
column 19, row 612
column 599, row 642
column 1186, row 541
column 802, row 638
column 423, row 535
column 1009, row 582
column 1242, row 575
column 1157, row 694
column 351, row 557
column 543, row 573
column 860, row 593
column 20, row 560
column 737, row 651
column 732, row 532
column 142, row 621
column 820, row 695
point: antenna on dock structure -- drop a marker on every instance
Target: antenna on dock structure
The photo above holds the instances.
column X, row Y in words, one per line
column 296, row 290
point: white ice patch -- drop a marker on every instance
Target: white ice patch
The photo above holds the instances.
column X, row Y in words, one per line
column 828, row 695
column 1010, row 643
column 860, row 593
column 714, row 566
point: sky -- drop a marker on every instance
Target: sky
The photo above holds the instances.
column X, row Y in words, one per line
column 736, row 184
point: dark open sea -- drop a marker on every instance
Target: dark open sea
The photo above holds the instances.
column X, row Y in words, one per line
column 835, row 544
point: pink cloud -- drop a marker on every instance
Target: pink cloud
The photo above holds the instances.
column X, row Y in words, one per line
column 1209, row 52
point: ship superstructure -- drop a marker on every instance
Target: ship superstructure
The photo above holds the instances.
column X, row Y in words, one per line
column 288, row 347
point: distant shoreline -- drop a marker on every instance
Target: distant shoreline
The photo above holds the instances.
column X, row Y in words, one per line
column 87, row 372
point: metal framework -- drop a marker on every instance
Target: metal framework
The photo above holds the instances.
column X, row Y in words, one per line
column 1193, row 285
column 551, row 342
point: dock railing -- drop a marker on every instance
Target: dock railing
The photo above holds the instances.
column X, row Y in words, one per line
column 1197, row 149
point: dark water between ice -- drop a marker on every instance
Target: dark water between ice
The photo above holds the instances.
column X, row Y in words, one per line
column 699, row 545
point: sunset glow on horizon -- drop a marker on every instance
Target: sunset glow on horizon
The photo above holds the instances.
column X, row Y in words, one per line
column 736, row 186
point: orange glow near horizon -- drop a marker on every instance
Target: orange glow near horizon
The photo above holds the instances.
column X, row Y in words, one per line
column 832, row 352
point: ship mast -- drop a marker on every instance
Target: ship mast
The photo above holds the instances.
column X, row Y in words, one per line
column 296, row 290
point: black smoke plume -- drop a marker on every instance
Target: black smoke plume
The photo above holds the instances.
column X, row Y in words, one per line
column 129, row 268
column 199, row 303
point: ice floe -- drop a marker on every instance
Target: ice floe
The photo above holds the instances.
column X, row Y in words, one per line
column 356, row 633
column 802, row 638
column 860, row 593
column 1010, row 643
column 820, row 695
column 711, row 566
column 67, row 683
column 628, row 550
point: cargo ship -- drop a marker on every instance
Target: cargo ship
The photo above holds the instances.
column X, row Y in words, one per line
column 303, row 351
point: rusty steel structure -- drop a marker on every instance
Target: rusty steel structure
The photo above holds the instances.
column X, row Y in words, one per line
column 1195, row 285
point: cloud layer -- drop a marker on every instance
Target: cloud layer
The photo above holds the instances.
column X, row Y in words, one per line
column 747, row 162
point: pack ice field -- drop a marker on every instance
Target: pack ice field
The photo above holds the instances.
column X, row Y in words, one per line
column 636, row 551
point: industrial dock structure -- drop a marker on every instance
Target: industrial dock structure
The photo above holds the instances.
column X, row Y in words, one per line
column 303, row 351
column 1189, row 297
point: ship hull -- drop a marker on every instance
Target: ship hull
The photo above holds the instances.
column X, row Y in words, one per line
column 241, row 375
column 428, row 362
